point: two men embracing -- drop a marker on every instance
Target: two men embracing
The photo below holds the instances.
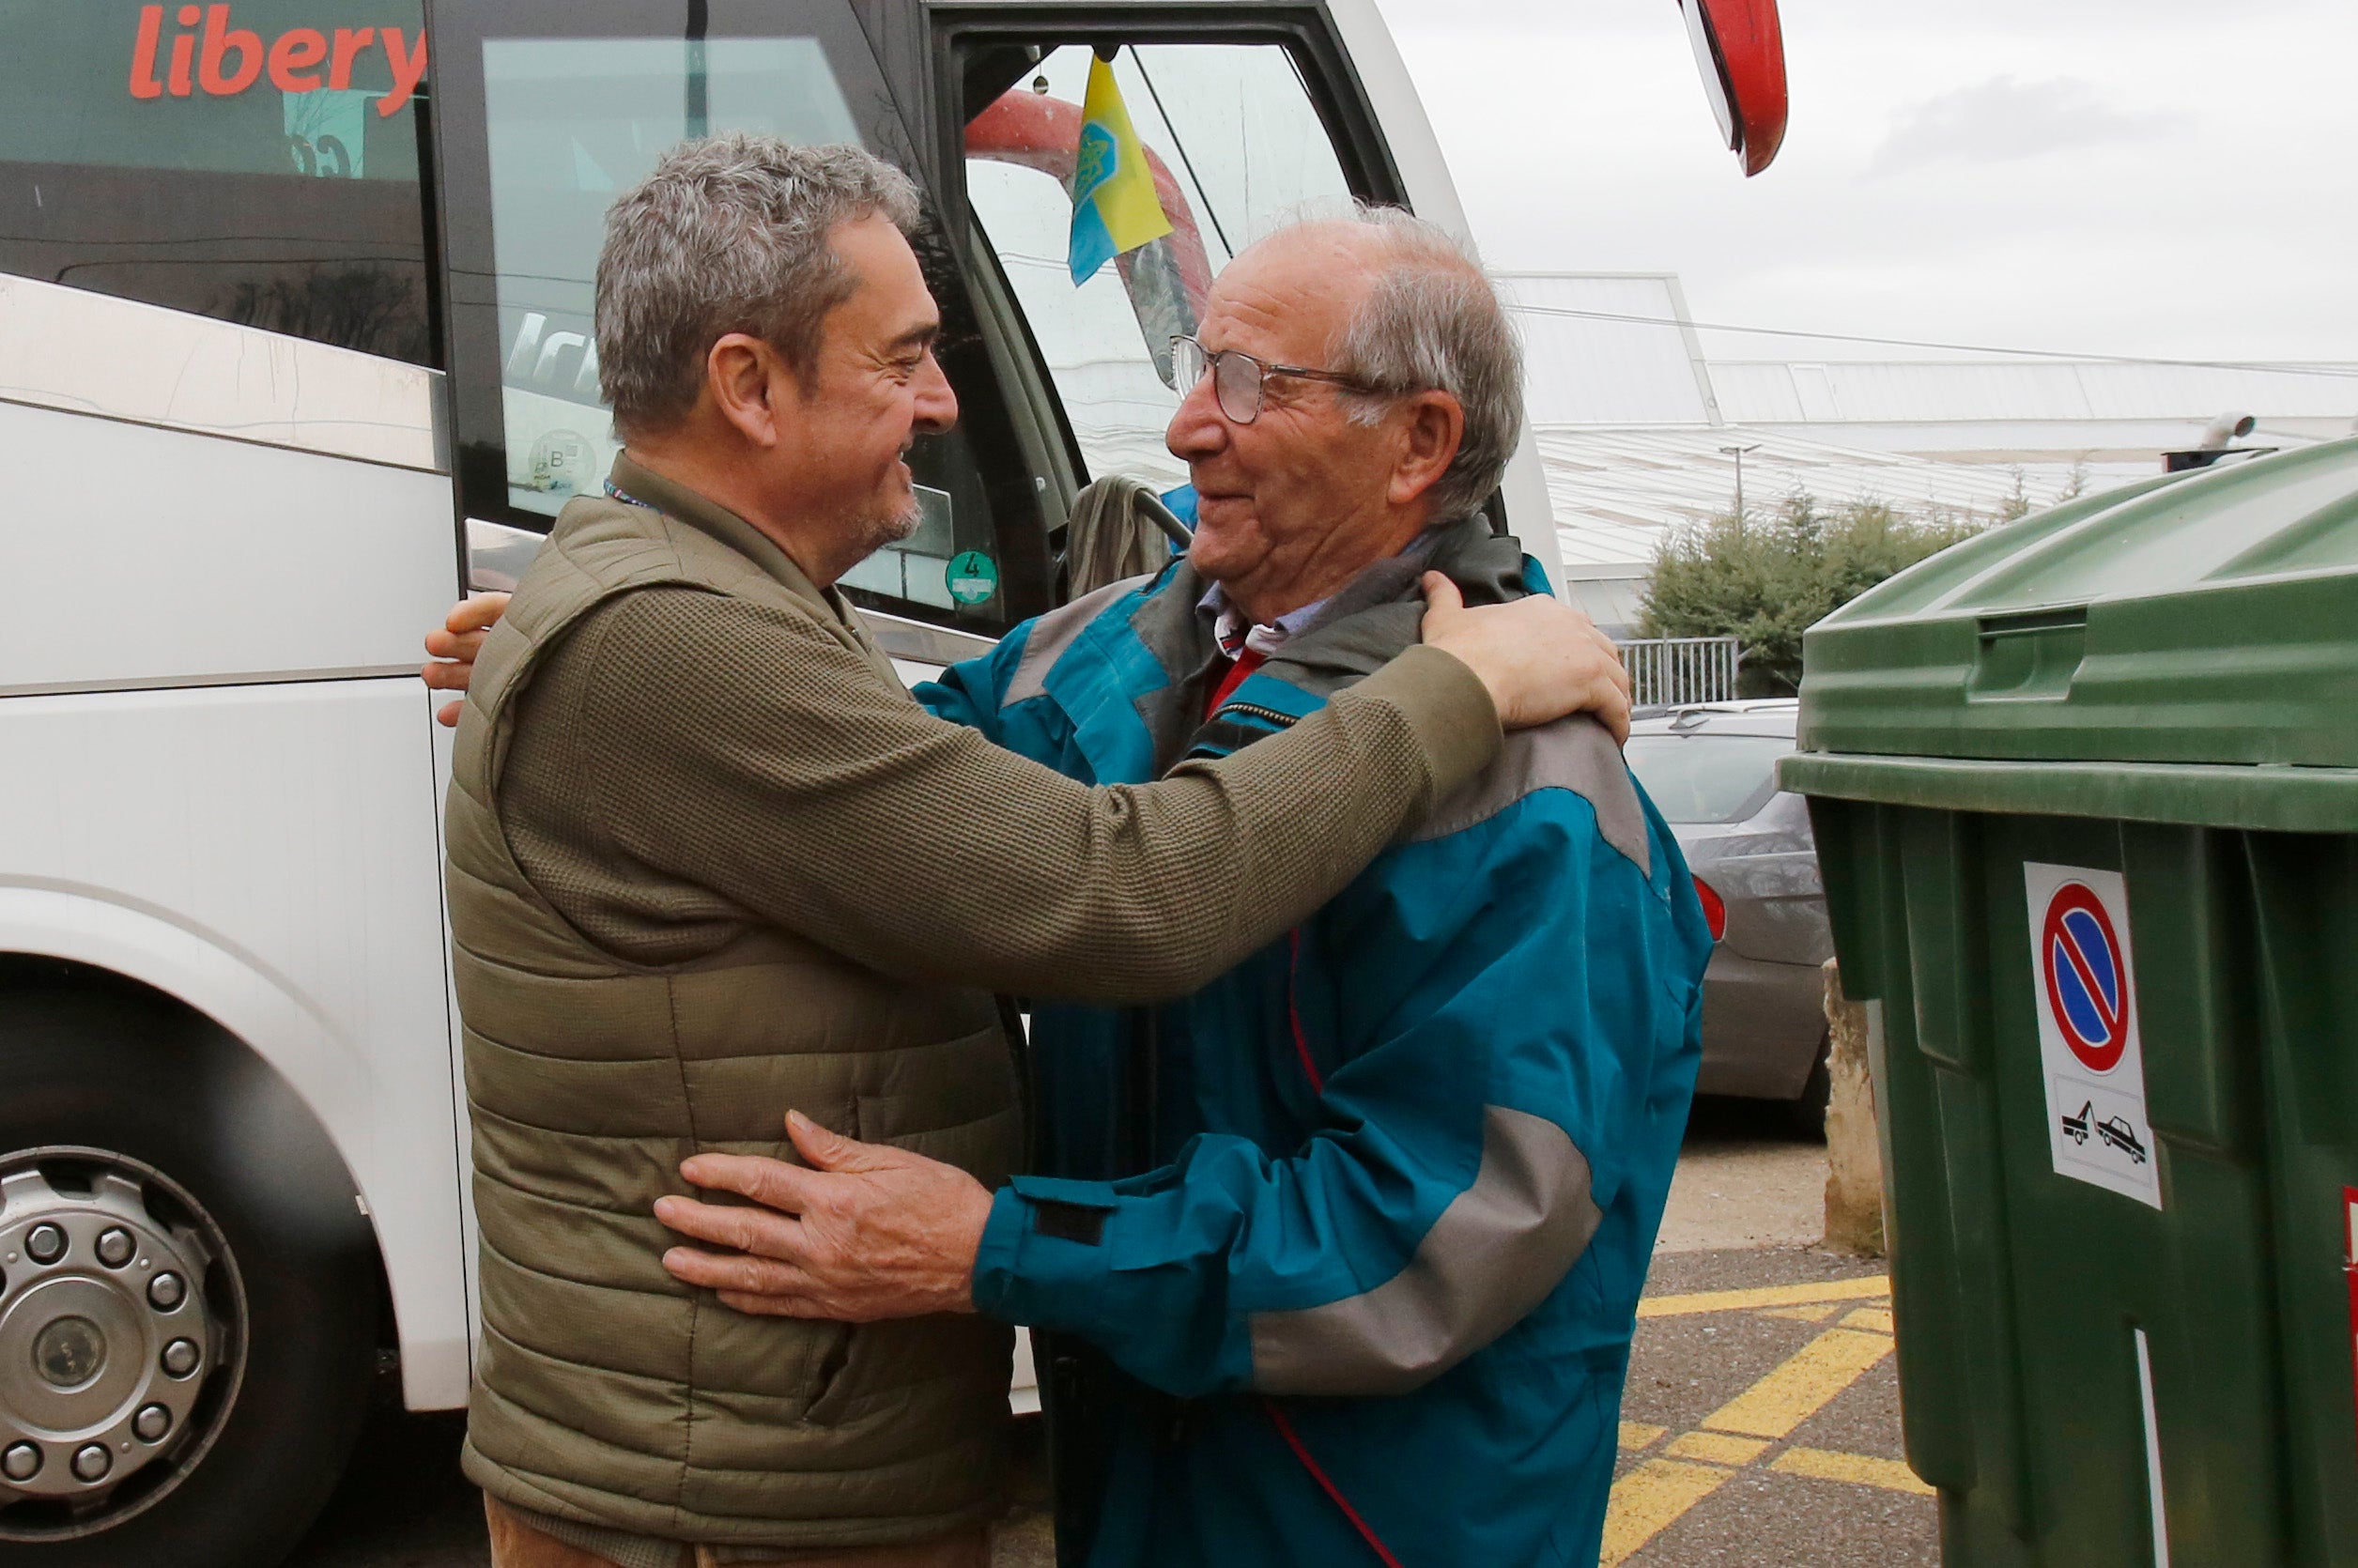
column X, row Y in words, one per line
column 1364, row 980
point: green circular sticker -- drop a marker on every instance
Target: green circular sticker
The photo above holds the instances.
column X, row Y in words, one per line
column 972, row 578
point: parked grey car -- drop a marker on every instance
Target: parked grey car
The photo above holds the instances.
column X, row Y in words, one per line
column 1711, row 771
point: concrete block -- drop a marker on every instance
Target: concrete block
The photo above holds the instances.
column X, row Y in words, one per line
column 1854, row 1181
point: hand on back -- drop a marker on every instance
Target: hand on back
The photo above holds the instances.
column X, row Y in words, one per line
column 454, row 644
column 857, row 1232
column 1540, row 658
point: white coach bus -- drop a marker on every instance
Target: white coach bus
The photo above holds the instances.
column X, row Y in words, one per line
column 295, row 346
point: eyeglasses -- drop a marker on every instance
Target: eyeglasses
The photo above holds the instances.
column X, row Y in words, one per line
column 1236, row 377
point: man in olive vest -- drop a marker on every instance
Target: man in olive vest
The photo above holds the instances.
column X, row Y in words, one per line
column 708, row 861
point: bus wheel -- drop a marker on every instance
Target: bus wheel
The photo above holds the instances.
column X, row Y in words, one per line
column 188, row 1297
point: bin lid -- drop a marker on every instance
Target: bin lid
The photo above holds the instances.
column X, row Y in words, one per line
column 2209, row 617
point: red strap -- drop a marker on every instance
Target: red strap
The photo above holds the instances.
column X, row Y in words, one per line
column 1284, row 1427
column 1366, row 1532
column 1244, row 664
column 1293, row 1013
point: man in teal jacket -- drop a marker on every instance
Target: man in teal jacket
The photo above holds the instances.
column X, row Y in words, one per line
column 1372, row 1293
column 1337, row 1260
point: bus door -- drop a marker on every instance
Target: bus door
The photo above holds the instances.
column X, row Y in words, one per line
column 1248, row 116
column 1242, row 130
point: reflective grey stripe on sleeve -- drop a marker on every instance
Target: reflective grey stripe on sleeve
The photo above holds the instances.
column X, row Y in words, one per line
column 1054, row 633
column 1496, row 1252
column 1575, row 753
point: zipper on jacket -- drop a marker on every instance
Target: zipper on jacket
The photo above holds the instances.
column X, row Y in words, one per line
column 1253, row 710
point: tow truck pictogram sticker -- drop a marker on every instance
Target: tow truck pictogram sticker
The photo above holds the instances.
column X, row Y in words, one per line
column 2084, row 999
column 2075, row 1127
column 2115, row 1130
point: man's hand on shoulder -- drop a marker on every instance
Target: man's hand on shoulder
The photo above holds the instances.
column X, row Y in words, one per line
column 455, row 643
column 864, row 1232
column 1540, row 658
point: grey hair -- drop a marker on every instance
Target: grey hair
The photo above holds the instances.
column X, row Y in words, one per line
column 730, row 234
column 1433, row 322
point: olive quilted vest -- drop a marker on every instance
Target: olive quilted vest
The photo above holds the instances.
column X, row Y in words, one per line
column 607, row 1392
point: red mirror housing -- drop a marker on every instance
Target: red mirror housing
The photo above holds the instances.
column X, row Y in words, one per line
column 1740, row 49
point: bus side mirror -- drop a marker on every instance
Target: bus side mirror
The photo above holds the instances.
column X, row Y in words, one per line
column 1740, row 49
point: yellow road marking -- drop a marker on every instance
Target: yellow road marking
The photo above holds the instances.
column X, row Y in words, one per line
column 1799, row 1387
column 1765, row 1296
column 1717, row 1448
column 1636, row 1435
column 1649, row 1499
column 1654, row 1495
column 1858, row 1469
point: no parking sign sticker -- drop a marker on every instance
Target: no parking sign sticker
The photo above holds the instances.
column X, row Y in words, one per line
column 2085, row 1001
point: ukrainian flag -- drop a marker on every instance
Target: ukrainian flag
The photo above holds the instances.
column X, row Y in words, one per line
column 1115, row 209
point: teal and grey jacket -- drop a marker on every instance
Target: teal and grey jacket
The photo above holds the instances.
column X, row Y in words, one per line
column 1340, row 1256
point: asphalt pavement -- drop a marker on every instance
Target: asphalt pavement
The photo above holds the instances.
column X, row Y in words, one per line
column 1761, row 1426
column 1760, row 1423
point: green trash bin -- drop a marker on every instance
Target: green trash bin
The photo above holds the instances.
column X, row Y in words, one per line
column 2086, row 796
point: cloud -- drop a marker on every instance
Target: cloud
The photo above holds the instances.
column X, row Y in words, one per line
column 1580, row 148
column 2003, row 120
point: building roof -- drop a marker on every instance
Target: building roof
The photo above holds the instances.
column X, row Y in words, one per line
column 1617, row 493
column 1630, row 420
column 1593, row 367
column 1960, row 391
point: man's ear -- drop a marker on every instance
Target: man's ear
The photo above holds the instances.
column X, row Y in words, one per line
column 750, row 386
column 1432, row 425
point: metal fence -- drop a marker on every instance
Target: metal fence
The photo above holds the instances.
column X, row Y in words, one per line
column 1668, row 672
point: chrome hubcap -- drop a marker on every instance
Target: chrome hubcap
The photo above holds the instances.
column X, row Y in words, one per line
column 70, row 1352
column 122, row 1328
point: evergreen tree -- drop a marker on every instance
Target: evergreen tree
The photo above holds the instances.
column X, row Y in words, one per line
column 1765, row 582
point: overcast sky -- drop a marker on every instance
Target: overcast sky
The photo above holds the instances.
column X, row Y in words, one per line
column 2167, row 178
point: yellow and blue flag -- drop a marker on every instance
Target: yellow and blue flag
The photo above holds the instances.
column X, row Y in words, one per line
column 1115, row 208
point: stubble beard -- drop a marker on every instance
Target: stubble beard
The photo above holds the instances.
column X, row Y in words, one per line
column 871, row 532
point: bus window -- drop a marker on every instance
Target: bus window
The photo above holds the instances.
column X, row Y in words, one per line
column 574, row 123
column 1237, row 148
column 550, row 112
column 256, row 162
